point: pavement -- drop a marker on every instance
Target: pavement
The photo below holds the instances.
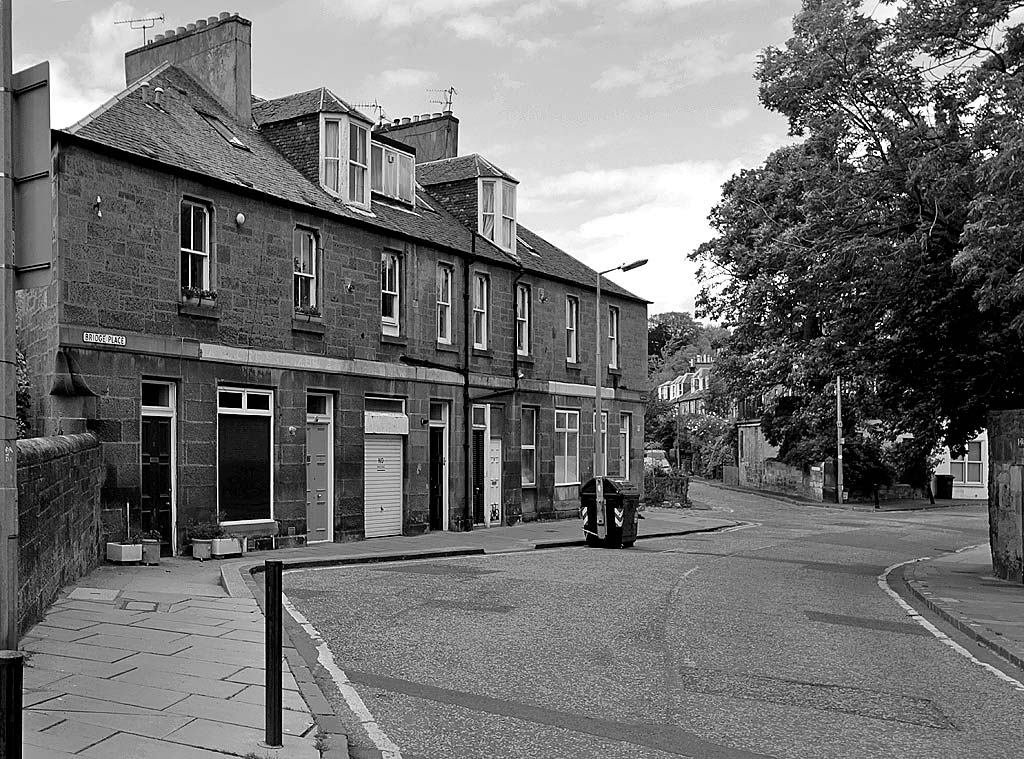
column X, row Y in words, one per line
column 168, row 661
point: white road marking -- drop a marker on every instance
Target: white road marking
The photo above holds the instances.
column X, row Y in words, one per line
column 387, row 749
column 744, row 526
column 883, row 583
column 688, row 572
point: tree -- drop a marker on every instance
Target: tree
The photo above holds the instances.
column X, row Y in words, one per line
column 883, row 247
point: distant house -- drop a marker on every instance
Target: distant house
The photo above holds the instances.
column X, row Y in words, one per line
column 689, row 392
column 970, row 471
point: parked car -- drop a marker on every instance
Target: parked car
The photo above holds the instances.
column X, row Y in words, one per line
column 656, row 461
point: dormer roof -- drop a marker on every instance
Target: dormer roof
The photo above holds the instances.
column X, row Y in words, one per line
column 319, row 100
column 459, row 168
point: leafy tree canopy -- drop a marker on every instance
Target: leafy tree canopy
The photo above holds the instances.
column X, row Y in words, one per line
column 884, row 247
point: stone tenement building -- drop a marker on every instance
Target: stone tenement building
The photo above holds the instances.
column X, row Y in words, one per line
column 278, row 317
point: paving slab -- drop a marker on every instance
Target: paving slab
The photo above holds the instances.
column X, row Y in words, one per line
column 127, row 642
column 239, row 740
column 68, row 735
column 255, row 694
column 155, row 665
column 120, row 692
column 154, row 725
column 76, row 650
column 140, row 747
column 252, row 676
column 69, row 666
column 187, row 684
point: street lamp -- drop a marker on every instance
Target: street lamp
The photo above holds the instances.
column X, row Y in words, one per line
column 601, row 526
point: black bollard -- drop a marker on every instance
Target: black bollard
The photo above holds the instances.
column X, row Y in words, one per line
column 272, row 644
column 11, row 667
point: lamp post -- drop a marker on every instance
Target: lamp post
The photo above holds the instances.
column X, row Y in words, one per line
column 601, row 526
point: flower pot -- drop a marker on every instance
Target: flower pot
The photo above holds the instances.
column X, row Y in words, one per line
column 201, row 549
column 124, row 553
column 150, row 552
column 221, row 547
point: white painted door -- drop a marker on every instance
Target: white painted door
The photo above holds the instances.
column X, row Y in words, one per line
column 494, row 483
column 382, row 485
column 318, row 482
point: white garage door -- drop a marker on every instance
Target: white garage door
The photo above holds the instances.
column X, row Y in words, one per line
column 382, row 478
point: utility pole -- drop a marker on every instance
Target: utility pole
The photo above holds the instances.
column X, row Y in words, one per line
column 839, row 440
column 8, row 371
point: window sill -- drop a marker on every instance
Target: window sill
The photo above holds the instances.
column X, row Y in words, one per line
column 614, row 371
column 525, row 359
column 529, row 486
column 483, row 352
column 574, row 365
column 199, row 310
column 394, row 340
column 314, row 325
column 447, row 348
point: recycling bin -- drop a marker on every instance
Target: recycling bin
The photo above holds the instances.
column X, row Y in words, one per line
column 943, row 489
column 621, row 498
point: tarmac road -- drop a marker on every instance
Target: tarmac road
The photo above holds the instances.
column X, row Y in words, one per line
column 773, row 640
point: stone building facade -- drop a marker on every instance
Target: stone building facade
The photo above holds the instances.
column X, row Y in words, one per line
column 264, row 337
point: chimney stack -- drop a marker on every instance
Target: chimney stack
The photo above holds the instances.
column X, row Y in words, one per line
column 433, row 135
column 216, row 52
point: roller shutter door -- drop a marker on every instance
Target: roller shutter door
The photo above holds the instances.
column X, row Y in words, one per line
column 382, row 478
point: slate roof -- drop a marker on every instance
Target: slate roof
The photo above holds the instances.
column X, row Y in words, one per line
column 319, row 100
column 459, row 168
column 181, row 135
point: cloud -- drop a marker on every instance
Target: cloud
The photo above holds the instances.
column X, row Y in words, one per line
column 691, row 62
column 475, row 26
column 405, row 78
column 658, row 212
column 83, row 78
column 732, row 116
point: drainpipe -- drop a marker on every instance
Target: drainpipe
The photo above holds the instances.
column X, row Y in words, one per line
column 515, row 348
column 467, row 524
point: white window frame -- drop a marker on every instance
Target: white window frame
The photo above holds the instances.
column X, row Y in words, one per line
column 965, row 462
column 625, row 441
column 523, row 306
column 336, row 160
column 191, row 251
column 572, row 321
column 355, row 168
column 344, row 160
column 246, row 411
column 391, row 322
column 481, row 298
column 499, row 214
column 299, row 235
column 567, row 421
column 445, row 277
column 528, row 447
column 613, row 337
column 404, row 191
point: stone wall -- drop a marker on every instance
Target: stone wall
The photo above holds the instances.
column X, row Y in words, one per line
column 58, row 517
column 1005, row 493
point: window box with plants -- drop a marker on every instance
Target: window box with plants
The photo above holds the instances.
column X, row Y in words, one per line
column 202, row 535
column 197, row 296
column 129, row 549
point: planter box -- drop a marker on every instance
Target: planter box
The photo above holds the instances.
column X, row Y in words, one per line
column 150, row 552
column 221, row 547
column 124, row 553
column 201, row 549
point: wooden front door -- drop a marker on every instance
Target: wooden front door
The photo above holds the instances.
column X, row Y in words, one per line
column 156, row 479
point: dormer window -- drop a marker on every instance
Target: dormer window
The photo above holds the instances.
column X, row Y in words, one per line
column 344, row 159
column 497, row 220
column 391, row 172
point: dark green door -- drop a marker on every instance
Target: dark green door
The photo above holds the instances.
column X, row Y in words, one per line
column 156, row 479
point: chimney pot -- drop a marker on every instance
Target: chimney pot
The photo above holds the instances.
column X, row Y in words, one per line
column 158, row 96
column 447, row 113
column 406, row 120
column 180, row 30
column 158, row 37
column 190, row 27
column 435, row 115
column 144, row 90
column 396, row 122
column 415, row 119
column 211, row 20
column 425, row 116
column 169, row 33
column 201, row 23
column 224, row 16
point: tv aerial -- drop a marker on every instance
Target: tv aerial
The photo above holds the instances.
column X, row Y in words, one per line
column 377, row 108
column 449, row 95
column 142, row 23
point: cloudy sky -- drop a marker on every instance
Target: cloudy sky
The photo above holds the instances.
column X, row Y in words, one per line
column 620, row 119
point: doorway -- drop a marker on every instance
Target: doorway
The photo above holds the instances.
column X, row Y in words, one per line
column 319, row 469
column 157, row 463
column 438, row 466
